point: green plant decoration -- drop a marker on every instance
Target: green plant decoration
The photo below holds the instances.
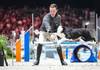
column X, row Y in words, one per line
column 3, row 41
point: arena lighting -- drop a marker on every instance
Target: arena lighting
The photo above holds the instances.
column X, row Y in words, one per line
column 86, row 24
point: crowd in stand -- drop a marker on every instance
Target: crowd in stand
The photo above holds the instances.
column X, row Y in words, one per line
column 13, row 20
column 16, row 19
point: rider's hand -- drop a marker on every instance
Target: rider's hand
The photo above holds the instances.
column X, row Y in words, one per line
column 60, row 29
column 36, row 32
column 53, row 37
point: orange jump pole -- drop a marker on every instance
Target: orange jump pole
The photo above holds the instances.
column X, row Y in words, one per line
column 18, row 51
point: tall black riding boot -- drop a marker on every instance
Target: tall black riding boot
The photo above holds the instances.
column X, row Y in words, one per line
column 39, row 49
column 59, row 50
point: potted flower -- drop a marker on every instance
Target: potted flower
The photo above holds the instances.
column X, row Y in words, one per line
column 3, row 44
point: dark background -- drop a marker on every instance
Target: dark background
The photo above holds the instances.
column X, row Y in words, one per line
column 92, row 4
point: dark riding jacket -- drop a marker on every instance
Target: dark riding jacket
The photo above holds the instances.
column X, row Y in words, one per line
column 50, row 24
